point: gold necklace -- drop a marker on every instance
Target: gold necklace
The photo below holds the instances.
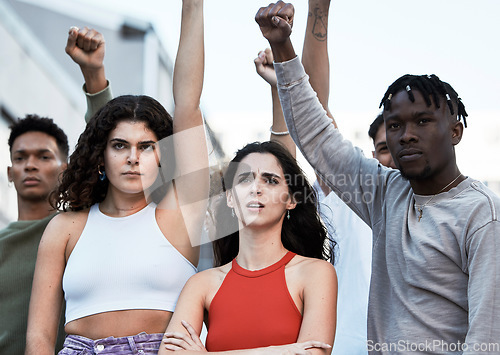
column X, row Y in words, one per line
column 421, row 208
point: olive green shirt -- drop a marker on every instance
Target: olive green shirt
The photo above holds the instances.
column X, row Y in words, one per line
column 18, row 250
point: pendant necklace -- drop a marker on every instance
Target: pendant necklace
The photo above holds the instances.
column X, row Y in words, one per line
column 420, row 209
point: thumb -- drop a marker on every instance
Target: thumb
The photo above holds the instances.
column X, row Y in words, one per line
column 260, row 59
column 268, row 53
column 275, row 20
column 72, row 36
column 282, row 23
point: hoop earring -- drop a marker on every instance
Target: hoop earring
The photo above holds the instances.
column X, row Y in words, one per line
column 102, row 173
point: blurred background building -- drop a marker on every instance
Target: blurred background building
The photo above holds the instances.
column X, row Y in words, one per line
column 38, row 77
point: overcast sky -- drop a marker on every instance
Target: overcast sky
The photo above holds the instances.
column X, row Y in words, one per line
column 371, row 43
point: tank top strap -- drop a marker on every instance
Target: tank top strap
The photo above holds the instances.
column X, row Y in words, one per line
column 267, row 270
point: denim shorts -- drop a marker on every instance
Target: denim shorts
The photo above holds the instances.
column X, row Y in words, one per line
column 139, row 344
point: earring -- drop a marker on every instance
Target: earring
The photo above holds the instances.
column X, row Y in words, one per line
column 288, row 214
column 10, row 184
column 232, row 212
column 102, row 174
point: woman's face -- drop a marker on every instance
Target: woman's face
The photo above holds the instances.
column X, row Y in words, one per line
column 131, row 157
column 259, row 196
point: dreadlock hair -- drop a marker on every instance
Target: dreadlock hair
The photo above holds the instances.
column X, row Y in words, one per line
column 428, row 85
column 303, row 233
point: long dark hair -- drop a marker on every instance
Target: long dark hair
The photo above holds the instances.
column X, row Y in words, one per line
column 80, row 186
column 303, row 233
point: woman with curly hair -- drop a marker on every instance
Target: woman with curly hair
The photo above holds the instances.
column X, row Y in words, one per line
column 272, row 288
column 118, row 258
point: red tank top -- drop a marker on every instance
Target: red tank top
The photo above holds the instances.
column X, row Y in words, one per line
column 253, row 309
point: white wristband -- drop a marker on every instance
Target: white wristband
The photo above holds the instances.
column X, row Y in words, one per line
column 278, row 133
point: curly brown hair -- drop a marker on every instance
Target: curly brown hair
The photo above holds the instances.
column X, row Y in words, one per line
column 81, row 187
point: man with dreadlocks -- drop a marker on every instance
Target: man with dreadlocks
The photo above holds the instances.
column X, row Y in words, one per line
column 435, row 283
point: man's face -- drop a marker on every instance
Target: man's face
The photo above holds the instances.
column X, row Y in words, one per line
column 381, row 152
column 36, row 165
column 421, row 139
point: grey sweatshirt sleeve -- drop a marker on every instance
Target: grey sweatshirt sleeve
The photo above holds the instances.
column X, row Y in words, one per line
column 96, row 101
column 483, row 248
column 358, row 180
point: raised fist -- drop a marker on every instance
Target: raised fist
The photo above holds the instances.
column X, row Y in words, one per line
column 276, row 21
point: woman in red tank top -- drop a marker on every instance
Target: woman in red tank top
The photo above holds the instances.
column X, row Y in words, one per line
column 272, row 288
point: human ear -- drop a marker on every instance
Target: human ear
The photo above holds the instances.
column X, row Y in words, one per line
column 229, row 199
column 291, row 203
column 457, row 131
column 9, row 174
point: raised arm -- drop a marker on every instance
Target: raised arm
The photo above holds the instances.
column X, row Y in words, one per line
column 315, row 57
column 276, row 26
column 189, row 67
column 275, row 23
column 190, row 147
column 310, row 127
column 86, row 47
column 315, row 61
column 279, row 131
column 315, row 51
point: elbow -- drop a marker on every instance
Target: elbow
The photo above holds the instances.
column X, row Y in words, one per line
column 39, row 344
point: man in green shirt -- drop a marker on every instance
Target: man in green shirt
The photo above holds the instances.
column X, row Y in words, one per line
column 39, row 153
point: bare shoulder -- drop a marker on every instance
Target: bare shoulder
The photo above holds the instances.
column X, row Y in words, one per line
column 203, row 286
column 311, row 268
column 211, row 278
column 66, row 228
column 67, row 222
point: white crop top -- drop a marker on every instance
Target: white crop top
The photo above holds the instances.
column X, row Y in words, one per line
column 122, row 263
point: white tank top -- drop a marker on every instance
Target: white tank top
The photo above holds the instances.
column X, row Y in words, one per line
column 122, row 263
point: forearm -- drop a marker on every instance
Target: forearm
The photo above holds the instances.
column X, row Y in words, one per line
column 305, row 117
column 190, row 147
column 318, row 348
column 336, row 161
column 95, row 79
column 189, row 66
column 279, row 125
column 41, row 335
column 283, row 51
column 43, row 322
column 96, row 100
column 47, row 295
column 315, row 51
column 39, row 344
column 257, row 351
